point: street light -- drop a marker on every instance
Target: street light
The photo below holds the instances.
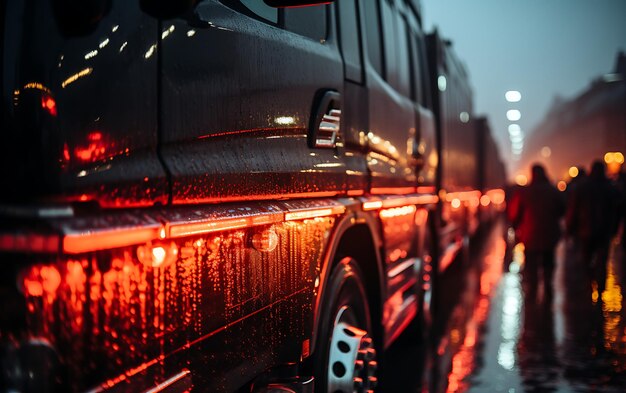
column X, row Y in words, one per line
column 514, row 129
column 513, row 115
column 513, row 96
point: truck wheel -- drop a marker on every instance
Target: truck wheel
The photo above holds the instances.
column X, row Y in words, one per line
column 346, row 360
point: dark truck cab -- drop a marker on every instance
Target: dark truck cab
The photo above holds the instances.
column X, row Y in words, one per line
column 212, row 195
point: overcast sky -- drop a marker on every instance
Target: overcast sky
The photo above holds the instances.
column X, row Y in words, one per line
column 543, row 48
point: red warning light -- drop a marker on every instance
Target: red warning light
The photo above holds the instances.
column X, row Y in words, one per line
column 49, row 104
column 157, row 255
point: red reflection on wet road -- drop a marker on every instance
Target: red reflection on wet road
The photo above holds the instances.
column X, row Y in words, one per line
column 576, row 344
column 464, row 360
column 486, row 339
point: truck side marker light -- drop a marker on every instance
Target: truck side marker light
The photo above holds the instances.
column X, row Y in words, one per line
column 76, row 243
column 314, row 213
column 426, row 199
column 265, row 240
column 420, row 217
column 392, row 190
column 157, row 255
column 497, row 195
column 485, row 200
column 398, row 211
column 355, row 192
column 285, row 120
column 181, row 230
column 197, row 228
column 425, row 189
column 29, row 243
column 372, row 205
column 462, row 195
column 456, row 203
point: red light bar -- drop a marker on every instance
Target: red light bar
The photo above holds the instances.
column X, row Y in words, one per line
column 31, row 242
column 304, row 214
column 85, row 242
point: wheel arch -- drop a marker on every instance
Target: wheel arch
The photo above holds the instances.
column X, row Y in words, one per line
column 356, row 236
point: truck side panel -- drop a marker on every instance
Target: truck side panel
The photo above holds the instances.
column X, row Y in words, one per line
column 80, row 110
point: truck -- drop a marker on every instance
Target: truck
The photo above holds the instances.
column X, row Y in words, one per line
column 232, row 195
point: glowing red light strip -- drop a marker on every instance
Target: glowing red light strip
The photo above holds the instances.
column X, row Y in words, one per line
column 88, row 241
column 94, row 241
column 463, row 195
column 372, row 205
column 323, row 212
column 392, row 190
column 29, row 243
column 426, row 199
column 398, row 211
column 196, row 228
column 426, row 189
column 376, row 203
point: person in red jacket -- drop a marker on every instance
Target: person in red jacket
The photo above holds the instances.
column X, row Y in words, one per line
column 535, row 213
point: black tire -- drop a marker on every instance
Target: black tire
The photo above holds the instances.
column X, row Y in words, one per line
column 345, row 355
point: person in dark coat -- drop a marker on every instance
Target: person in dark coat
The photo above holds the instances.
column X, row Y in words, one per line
column 592, row 220
column 535, row 213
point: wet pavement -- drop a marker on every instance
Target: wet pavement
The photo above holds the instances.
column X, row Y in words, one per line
column 487, row 337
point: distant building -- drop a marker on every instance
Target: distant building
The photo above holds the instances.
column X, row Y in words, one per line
column 575, row 132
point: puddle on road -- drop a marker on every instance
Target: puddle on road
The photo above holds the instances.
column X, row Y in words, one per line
column 576, row 345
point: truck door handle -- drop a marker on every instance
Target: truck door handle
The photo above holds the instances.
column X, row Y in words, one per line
column 325, row 127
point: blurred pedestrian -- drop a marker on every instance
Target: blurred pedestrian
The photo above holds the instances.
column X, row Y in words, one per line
column 575, row 181
column 621, row 183
column 592, row 219
column 535, row 213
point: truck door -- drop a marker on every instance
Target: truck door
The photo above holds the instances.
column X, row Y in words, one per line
column 391, row 112
column 241, row 83
column 244, row 89
column 390, row 136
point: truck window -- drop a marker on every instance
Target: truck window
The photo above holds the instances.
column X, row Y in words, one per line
column 349, row 39
column 416, row 88
column 421, row 69
column 307, row 21
column 389, row 42
column 403, row 81
column 372, row 28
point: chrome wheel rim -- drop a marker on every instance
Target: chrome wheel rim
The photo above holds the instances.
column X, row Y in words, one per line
column 352, row 362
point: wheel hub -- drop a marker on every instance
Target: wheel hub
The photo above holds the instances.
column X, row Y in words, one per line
column 352, row 362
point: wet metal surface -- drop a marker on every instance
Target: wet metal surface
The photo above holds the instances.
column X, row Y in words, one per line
column 486, row 338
